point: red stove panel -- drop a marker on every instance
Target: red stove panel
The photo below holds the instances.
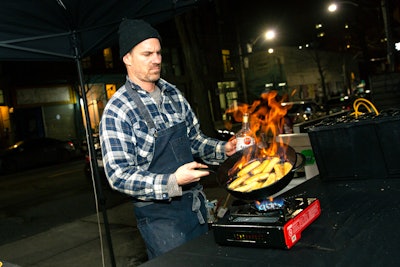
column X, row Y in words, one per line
column 293, row 228
column 276, row 229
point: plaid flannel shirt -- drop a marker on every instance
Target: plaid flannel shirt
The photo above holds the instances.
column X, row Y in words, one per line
column 128, row 144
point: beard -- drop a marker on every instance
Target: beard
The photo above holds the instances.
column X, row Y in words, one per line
column 154, row 74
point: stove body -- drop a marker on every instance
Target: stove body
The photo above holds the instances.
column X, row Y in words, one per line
column 269, row 224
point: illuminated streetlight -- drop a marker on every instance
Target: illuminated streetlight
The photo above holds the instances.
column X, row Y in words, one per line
column 244, row 61
column 334, row 6
column 268, row 35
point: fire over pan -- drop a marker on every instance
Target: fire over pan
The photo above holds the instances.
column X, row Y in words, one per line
column 264, row 192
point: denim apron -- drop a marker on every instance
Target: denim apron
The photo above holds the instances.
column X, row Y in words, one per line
column 165, row 225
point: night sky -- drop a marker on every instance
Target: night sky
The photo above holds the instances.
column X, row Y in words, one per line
column 295, row 21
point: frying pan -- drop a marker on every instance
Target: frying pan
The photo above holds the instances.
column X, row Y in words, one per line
column 291, row 155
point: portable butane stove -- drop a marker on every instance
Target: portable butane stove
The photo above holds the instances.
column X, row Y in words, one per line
column 276, row 223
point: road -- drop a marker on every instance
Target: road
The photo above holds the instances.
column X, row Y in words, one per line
column 37, row 200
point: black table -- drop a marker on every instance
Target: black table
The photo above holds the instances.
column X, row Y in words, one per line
column 359, row 225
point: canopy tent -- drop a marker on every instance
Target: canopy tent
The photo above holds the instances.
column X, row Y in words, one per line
column 69, row 30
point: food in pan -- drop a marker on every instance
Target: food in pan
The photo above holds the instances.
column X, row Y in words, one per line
column 260, row 173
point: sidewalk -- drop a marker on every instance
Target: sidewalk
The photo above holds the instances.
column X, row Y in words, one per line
column 78, row 243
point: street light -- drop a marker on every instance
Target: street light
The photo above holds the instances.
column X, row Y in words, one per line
column 268, row 35
column 243, row 61
column 334, row 6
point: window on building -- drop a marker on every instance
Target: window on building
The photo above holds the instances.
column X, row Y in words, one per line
column 228, row 94
column 226, row 61
column 108, row 58
column 110, row 89
column 1, row 97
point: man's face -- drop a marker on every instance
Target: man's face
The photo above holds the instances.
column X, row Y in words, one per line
column 143, row 62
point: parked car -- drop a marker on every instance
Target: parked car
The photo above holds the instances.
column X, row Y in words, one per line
column 301, row 111
column 37, row 152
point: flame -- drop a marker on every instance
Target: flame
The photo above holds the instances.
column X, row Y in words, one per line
column 274, row 121
column 269, row 204
column 244, row 160
column 266, row 117
column 270, row 199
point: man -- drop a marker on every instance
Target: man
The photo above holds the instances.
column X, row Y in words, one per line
column 149, row 136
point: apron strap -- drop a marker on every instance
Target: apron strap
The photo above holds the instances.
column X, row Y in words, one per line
column 142, row 108
column 196, row 204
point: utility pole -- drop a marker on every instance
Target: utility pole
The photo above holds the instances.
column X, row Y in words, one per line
column 389, row 36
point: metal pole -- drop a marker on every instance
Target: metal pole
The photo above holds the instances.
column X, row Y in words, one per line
column 92, row 154
column 389, row 37
column 242, row 72
column 241, row 65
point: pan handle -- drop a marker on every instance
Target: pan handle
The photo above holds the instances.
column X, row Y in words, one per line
column 301, row 164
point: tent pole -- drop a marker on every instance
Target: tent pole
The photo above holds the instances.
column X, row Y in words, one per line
column 93, row 161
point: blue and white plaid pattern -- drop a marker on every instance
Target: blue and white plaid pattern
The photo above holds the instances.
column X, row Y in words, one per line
column 128, row 144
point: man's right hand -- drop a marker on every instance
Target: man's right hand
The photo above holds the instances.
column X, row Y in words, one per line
column 187, row 173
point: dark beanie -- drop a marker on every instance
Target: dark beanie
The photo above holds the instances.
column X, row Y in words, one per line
column 131, row 32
